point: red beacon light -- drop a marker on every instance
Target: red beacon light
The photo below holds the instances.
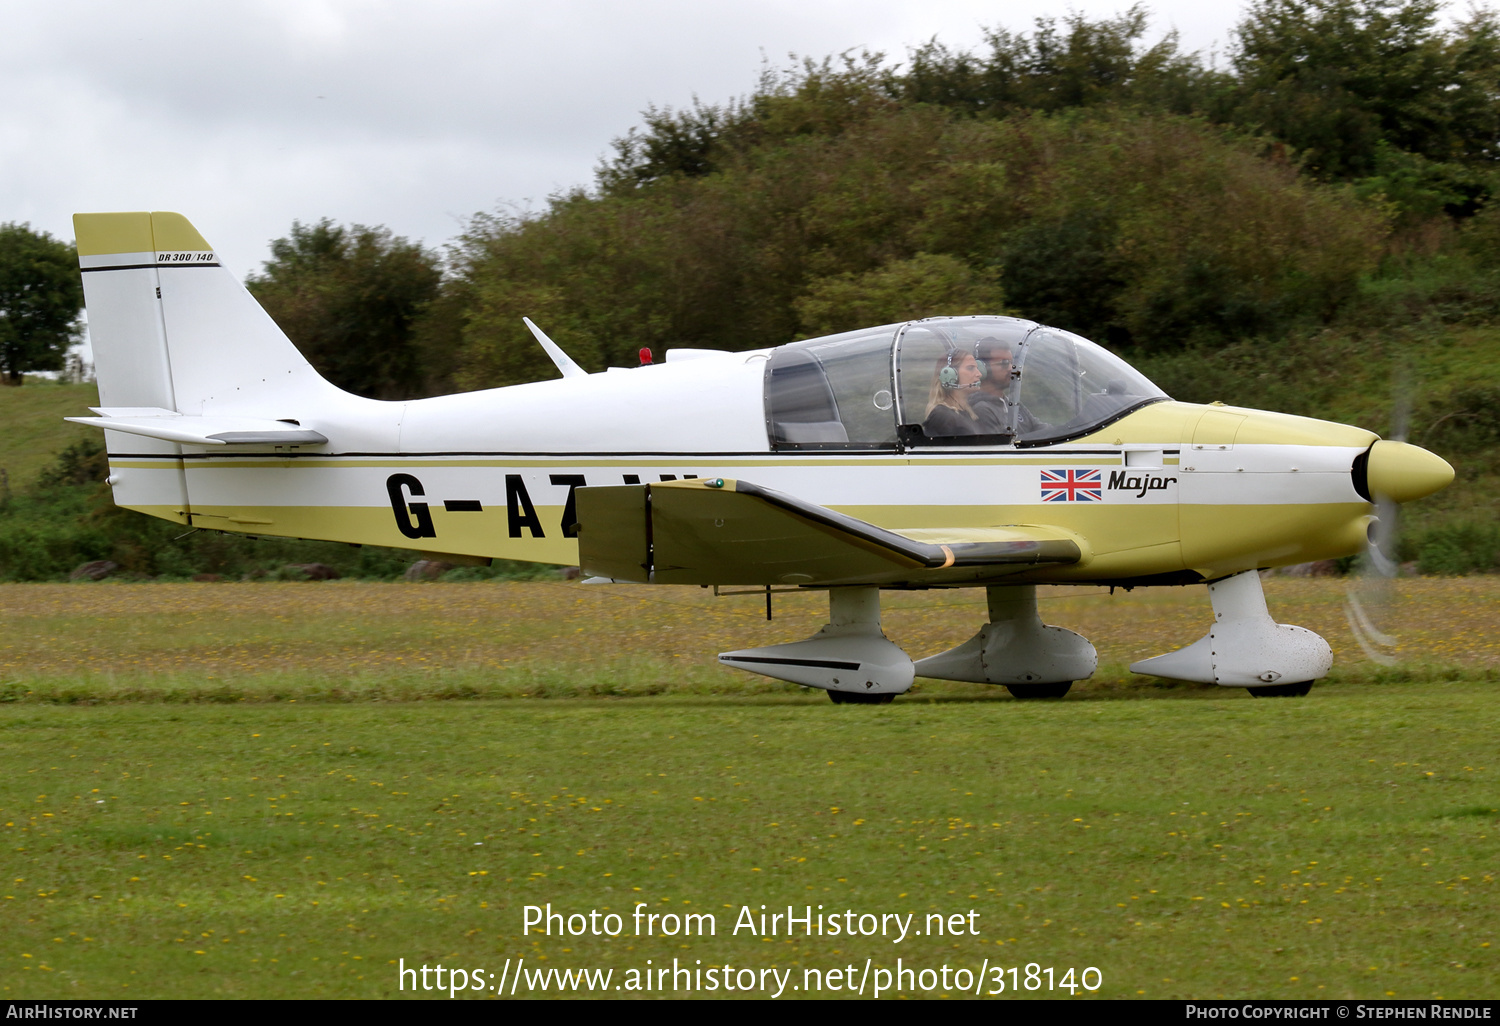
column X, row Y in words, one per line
column 645, row 357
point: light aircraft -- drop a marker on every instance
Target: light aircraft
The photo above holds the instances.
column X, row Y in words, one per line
column 824, row 464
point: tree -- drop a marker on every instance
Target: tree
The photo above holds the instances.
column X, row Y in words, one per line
column 40, row 296
column 927, row 285
column 1083, row 63
column 1142, row 230
column 675, row 142
column 1336, row 79
column 351, row 299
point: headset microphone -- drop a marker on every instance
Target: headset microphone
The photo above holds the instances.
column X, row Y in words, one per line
column 948, row 376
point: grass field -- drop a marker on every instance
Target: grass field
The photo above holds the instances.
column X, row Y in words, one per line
column 351, row 641
column 232, row 812
column 35, row 431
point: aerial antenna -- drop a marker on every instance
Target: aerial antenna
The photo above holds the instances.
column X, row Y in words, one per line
column 563, row 361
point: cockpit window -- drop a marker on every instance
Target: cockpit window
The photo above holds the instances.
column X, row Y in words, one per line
column 1001, row 380
column 957, row 379
column 1068, row 386
column 833, row 392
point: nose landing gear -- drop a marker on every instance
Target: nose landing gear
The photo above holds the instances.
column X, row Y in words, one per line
column 1245, row 648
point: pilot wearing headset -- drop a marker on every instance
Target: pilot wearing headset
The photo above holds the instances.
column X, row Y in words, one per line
column 949, row 414
column 992, row 402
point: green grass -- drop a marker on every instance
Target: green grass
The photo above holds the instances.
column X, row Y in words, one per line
column 351, row 641
column 304, row 781
column 35, row 431
column 1337, row 846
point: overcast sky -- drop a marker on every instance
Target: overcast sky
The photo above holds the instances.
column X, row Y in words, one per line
column 247, row 115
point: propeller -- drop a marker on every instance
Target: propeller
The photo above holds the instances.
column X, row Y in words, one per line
column 1370, row 601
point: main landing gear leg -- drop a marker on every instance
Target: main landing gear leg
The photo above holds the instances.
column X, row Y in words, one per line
column 1245, row 648
column 850, row 658
column 1016, row 649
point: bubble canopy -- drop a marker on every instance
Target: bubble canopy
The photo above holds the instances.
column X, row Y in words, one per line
column 944, row 382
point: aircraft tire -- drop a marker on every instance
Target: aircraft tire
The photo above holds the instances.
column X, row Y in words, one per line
column 1057, row 690
column 856, row 698
column 1283, row 690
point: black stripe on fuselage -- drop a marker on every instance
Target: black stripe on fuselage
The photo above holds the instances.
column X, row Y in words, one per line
column 1028, row 454
column 139, row 267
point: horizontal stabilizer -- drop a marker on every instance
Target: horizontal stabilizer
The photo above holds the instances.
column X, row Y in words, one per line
column 189, row 430
column 733, row 532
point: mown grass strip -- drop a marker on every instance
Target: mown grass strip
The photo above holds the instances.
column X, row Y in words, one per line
column 359, row 641
column 1337, row 846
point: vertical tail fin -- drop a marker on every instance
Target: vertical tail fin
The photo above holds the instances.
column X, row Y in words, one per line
column 173, row 329
column 175, row 332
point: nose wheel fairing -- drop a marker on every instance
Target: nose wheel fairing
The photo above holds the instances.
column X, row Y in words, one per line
column 1245, row 647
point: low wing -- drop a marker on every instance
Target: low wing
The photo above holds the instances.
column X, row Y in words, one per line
column 190, row 430
column 734, row 532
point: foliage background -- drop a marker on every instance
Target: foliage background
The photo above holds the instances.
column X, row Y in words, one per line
column 40, row 296
column 1307, row 227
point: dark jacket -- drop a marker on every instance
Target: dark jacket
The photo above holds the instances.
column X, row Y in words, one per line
column 946, row 422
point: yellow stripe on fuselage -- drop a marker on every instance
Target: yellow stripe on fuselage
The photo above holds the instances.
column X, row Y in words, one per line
column 1139, row 535
column 1126, row 542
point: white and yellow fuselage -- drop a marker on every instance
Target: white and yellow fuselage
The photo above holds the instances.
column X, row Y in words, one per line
column 1185, row 491
column 1178, row 495
column 699, row 471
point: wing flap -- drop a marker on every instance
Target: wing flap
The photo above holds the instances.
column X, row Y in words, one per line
column 974, row 546
column 735, row 532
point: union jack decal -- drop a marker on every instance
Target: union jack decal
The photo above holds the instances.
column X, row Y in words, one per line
column 1072, row 486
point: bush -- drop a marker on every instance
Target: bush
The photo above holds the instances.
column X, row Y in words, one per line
column 42, row 551
column 1152, row 231
column 70, row 518
column 924, row 286
column 83, row 462
column 1461, row 548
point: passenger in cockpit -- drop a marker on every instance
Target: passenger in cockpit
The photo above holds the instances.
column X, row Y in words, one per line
column 948, row 411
